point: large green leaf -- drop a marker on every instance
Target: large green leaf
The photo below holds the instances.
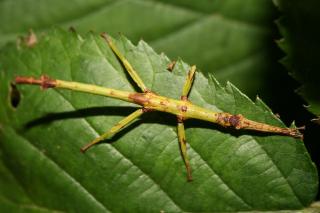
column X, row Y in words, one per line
column 142, row 170
column 301, row 43
column 231, row 38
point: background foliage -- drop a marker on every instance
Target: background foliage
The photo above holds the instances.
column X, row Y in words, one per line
column 232, row 39
column 300, row 42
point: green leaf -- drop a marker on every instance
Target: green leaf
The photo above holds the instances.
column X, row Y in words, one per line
column 141, row 170
column 231, row 38
column 301, row 44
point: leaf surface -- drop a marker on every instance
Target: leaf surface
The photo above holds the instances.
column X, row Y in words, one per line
column 139, row 169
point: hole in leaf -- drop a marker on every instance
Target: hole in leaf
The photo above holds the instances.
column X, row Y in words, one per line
column 14, row 95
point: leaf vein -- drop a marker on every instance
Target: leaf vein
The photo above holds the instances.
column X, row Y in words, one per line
column 280, row 170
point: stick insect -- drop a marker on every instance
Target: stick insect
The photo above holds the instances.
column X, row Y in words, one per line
column 150, row 101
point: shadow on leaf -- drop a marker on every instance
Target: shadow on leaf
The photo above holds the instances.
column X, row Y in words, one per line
column 150, row 117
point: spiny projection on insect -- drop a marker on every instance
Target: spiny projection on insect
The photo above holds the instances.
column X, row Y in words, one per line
column 150, row 101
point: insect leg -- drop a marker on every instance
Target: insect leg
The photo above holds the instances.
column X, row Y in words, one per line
column 188, row 83
column 125, row 62
column 183, row 148
column 181, row 131
column 115, row 129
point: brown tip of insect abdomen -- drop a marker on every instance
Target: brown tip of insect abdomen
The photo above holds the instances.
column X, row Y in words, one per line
column 293, row 132
column 253, row 125
column 45, row 82
column 240, row 122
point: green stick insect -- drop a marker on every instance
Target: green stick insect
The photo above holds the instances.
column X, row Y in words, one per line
column 150, row 101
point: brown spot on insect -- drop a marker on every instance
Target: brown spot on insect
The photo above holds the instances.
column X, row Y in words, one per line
column 47, row 82
column 226, row 120
column 139, row 98
column 171, row 66
column 184, row 98
column 183, row 108
column 235, row 121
